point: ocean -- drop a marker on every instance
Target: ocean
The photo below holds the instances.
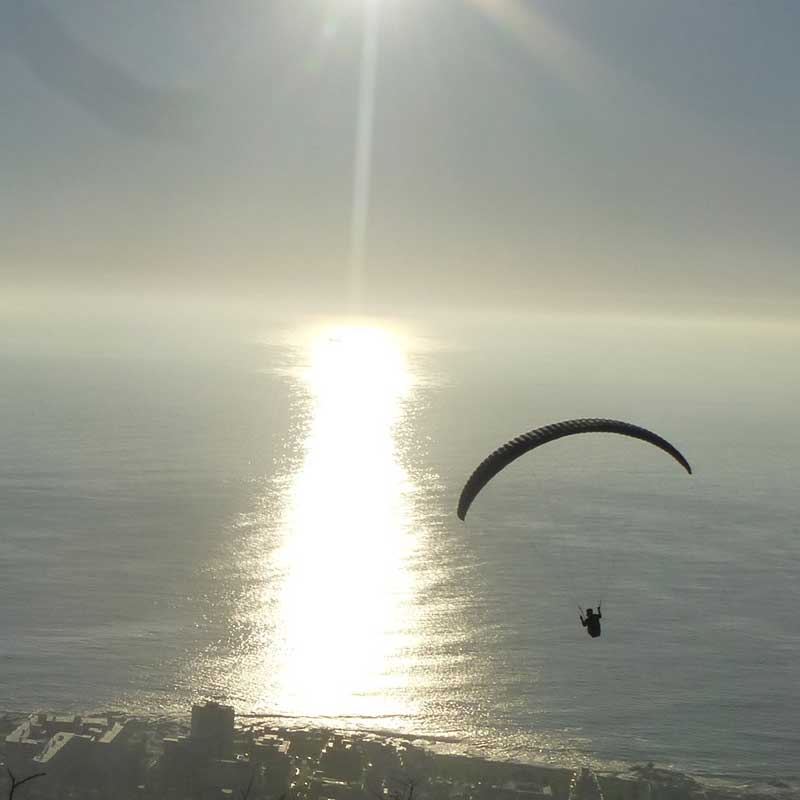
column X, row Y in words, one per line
column 199, row 505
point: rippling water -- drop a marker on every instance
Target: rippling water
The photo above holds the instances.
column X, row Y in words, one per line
column 265, row 514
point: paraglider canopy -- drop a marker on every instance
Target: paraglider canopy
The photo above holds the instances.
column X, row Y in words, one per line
column 512, row 450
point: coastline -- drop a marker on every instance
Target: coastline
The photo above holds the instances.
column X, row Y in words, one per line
column 426, row 756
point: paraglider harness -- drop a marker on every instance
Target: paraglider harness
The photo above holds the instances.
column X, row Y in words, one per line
column 591, row 621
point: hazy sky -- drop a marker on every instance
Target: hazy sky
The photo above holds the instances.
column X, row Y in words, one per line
column 525, row 153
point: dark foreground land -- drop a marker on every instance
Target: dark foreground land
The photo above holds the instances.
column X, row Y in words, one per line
column 214, row 757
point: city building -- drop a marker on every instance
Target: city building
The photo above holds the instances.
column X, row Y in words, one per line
column 212, row 730
column 341, row 760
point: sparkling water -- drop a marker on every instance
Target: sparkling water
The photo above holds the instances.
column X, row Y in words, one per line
column 264, row 513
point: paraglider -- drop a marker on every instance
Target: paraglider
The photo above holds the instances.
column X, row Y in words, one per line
column 592, row 621
column 497, row 461
column 512, row 450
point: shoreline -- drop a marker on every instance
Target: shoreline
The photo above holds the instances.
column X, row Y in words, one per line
column 455, row 755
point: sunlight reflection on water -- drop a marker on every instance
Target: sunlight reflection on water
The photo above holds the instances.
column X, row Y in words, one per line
column 337, row 585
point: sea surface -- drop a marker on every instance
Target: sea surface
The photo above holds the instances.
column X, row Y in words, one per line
column 198, row 505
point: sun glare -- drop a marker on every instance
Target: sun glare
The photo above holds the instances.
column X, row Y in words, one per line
column 346, row 531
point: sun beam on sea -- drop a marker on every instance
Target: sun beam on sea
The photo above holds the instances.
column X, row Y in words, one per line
column 341, row 605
